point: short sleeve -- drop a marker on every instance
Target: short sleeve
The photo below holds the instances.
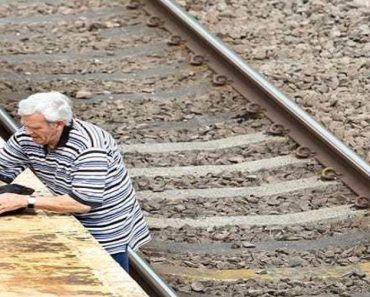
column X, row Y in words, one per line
column 89, row 177
column 13, row 160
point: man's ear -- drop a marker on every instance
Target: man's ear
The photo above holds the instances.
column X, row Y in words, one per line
column 60, row 124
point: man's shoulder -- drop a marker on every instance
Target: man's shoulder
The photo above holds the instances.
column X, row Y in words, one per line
column 89, row 134
column 21, row 140
column 87, row 126
column 21, row 136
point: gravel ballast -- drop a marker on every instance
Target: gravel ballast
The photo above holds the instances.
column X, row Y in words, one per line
column 316, row 52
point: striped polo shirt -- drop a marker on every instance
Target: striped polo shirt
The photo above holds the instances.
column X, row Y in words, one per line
column 88, row 166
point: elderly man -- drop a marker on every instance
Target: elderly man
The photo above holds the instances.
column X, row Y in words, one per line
column 81, row 165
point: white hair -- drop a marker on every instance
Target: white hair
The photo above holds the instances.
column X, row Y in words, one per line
column 54, row 106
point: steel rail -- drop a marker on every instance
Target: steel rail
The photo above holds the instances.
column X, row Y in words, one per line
column 329, row 150
column 139, row 269
column 147, row 278
column 8, row 124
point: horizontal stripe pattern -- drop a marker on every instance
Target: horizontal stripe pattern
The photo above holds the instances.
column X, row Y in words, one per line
column 89, row 167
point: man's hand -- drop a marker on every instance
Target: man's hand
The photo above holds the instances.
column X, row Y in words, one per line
column 9, row 201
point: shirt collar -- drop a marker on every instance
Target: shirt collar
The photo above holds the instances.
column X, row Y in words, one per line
column 65, row 135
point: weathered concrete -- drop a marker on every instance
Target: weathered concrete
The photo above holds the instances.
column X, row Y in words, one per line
column 251, row 166
column 321, row 215
column 342, row 240
column 218, row 144
column 74, row 55
column 271, row 274
column 218, row 193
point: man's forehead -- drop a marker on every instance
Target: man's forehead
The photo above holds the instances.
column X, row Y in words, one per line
column 36, row 118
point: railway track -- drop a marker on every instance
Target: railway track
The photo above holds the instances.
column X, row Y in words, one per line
column 244, row 194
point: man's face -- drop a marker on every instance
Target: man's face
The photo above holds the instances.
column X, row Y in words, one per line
column 42, row 131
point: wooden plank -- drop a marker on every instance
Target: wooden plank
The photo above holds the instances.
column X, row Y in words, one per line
column 48, row 254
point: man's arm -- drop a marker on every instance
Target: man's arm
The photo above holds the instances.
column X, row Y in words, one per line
column 13, row 160
column 62, row 203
